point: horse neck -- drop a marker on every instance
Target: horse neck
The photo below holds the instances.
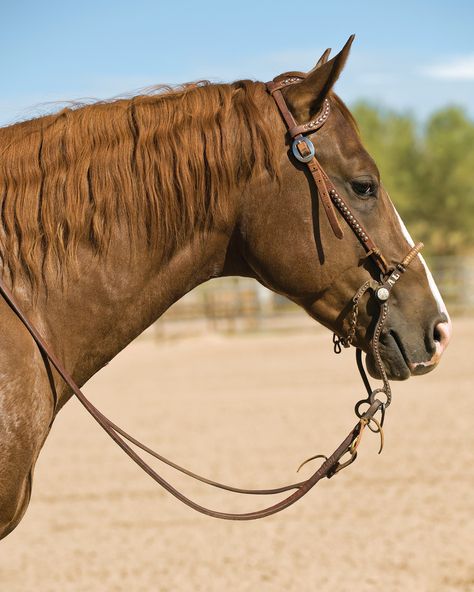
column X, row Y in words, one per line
column 112, row 299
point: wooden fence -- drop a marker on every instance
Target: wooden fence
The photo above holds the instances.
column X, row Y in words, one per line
column 241, row 304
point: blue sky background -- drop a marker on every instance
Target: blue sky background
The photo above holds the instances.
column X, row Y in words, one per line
column 407, row 55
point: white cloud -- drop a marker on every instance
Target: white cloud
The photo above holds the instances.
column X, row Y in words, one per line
column 460, row 68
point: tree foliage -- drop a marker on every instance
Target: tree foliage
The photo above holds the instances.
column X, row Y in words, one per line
column 428, row 171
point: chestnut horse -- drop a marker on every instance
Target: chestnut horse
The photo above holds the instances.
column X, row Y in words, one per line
column 111, row 212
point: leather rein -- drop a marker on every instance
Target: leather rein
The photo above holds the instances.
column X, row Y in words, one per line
column 366, row 409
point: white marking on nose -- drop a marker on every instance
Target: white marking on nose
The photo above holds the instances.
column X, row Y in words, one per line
column 444, row 331
column 432, row 284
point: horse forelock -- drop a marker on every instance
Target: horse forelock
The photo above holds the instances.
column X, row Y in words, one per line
column 158, row 165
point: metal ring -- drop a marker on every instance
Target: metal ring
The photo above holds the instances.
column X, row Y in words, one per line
column 296, row 152
column 375, row 393
column 358, row 405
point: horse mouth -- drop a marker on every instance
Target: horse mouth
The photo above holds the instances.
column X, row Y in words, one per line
column 398, row 363
column 394, row 358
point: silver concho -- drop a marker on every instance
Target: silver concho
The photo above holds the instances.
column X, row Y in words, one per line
column 383, row 294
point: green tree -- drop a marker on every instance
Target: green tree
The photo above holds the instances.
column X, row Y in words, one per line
column 447, row 181
column 428, row 171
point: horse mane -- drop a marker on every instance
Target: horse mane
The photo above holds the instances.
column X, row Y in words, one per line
column 158, row 165
column 339, row 103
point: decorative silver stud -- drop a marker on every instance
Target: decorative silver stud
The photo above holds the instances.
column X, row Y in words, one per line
column 383, row 294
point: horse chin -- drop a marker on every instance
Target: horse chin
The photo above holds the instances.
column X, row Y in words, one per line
column 396, row 359
column 394, row 363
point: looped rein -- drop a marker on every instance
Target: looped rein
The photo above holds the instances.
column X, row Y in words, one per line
column 303, row 150
column 327, row 469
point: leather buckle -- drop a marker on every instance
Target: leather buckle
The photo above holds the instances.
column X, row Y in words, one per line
column 296, row 151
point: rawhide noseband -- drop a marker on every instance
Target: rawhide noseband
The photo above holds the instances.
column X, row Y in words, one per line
column 366, row 409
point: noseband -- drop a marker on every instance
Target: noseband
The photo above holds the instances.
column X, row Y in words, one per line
column 366, row 409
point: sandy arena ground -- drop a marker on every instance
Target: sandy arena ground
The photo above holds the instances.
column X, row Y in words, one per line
column 247, row 409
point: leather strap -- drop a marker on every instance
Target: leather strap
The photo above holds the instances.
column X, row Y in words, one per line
column 313, row 165
column 283, row 108
column 322, row 183
column 282, row 82
column 327, row 469
column 327, row 192
column 314, row 124
column 356, row 226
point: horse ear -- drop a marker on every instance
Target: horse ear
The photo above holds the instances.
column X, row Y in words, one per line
column 322, row 60
column 306, row 98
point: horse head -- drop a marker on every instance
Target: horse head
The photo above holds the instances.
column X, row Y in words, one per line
column 291, row 247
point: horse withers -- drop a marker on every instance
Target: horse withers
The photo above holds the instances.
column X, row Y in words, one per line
column 111, row 212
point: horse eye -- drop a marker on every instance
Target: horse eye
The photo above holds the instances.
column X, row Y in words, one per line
column 364, row 188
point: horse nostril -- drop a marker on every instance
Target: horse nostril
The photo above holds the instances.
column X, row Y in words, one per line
column 442, row 335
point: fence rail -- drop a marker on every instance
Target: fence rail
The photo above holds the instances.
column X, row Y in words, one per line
column 242, row 304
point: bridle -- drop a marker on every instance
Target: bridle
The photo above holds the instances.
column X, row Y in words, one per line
column 303, row 150
column 366, row 409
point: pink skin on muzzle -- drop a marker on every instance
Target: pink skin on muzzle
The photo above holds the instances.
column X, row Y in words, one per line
column 443, row 332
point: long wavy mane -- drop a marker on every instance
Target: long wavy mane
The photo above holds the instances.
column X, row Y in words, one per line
column 159, row 165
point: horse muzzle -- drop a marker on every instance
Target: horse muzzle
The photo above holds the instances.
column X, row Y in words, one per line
column 405, row 355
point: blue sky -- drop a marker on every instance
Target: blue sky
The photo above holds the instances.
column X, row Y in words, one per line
column 407, row 55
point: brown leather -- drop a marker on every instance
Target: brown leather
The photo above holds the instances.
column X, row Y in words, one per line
column 322, row 184
column 327, row 469
column 356, row 226
column 326, row 190
column 278, row 82
column 313, row 165
column 283, row 108
column 314, row 124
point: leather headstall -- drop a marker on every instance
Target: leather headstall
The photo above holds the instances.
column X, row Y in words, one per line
column 303, row 150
